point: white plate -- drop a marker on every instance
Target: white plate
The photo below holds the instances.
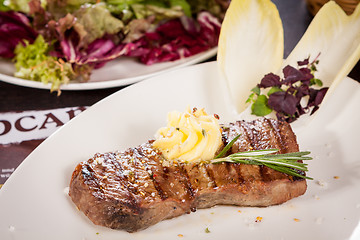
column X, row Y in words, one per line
column 116, row 73
column 34, row 203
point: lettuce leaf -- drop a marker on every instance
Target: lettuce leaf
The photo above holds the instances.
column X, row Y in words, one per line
column 21, row 5
column 215, row 7
column 33, row 62
column 143, row 11
column 185, row 6
column 87, row 33
column 4, row 6
column 96, row 21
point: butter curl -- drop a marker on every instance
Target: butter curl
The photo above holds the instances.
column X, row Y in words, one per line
column 191, row 136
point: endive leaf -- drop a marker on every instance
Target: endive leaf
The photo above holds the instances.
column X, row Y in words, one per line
column 336, row 36
column 251, row 44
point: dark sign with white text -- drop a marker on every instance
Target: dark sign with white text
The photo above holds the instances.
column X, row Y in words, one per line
column 22, row 132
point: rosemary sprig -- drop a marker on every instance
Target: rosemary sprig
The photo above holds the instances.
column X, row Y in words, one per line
column 227, row 147
column 286, row 163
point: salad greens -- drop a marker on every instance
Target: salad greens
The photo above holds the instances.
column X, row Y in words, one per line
column 79, row 36
column 33, row 62
column 3, row 7
column 96, row 27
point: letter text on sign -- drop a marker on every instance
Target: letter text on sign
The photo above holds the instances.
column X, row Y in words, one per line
column 16, row 127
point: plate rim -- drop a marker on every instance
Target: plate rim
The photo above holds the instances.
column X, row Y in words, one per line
column 104, row 234
column 76, row 86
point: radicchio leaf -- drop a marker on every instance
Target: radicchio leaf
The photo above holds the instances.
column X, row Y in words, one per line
column 40, row 17
column 175, row 39
column 14, row 29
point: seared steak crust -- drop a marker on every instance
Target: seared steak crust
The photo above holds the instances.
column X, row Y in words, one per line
column 137, row 188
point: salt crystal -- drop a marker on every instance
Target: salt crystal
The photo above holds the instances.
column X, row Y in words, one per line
column 99, row 160
column 330, row 154
column 319, row 220
column 251, row 226
column 66, row 190
column 322, row 183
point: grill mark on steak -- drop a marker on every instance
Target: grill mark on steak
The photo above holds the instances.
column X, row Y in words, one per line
column 247, row 142
column 276, row 136
column 222, row 174
column 286, row 136
column 266, row 139
column 199, row 178
column 134, row 189
column 107, row 181
column 240, row 178
column 248, row 134
column 210, row 173
column 262, row 134
column 241, row 145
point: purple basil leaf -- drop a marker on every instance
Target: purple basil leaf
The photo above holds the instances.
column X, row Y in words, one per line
column 300, row 110
column 292, row 75
column 283, row 102
column 320, row 96
column 312, row 97
column 302, row 63
column 301, row 91
column 307, row 75
column 314, row 110
column 270, row 80
column 315, row 98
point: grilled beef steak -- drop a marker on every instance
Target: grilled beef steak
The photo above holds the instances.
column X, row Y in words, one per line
column 134, row 189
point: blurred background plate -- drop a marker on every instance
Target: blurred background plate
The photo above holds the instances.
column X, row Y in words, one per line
column 119, row 72
column 347, row 5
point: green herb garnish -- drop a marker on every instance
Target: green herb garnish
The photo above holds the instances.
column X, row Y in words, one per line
column 227, row 147
column 287, row 95
column 286, row 163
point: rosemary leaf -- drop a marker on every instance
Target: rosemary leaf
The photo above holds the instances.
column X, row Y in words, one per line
column 289, row 163
column 227, row 147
